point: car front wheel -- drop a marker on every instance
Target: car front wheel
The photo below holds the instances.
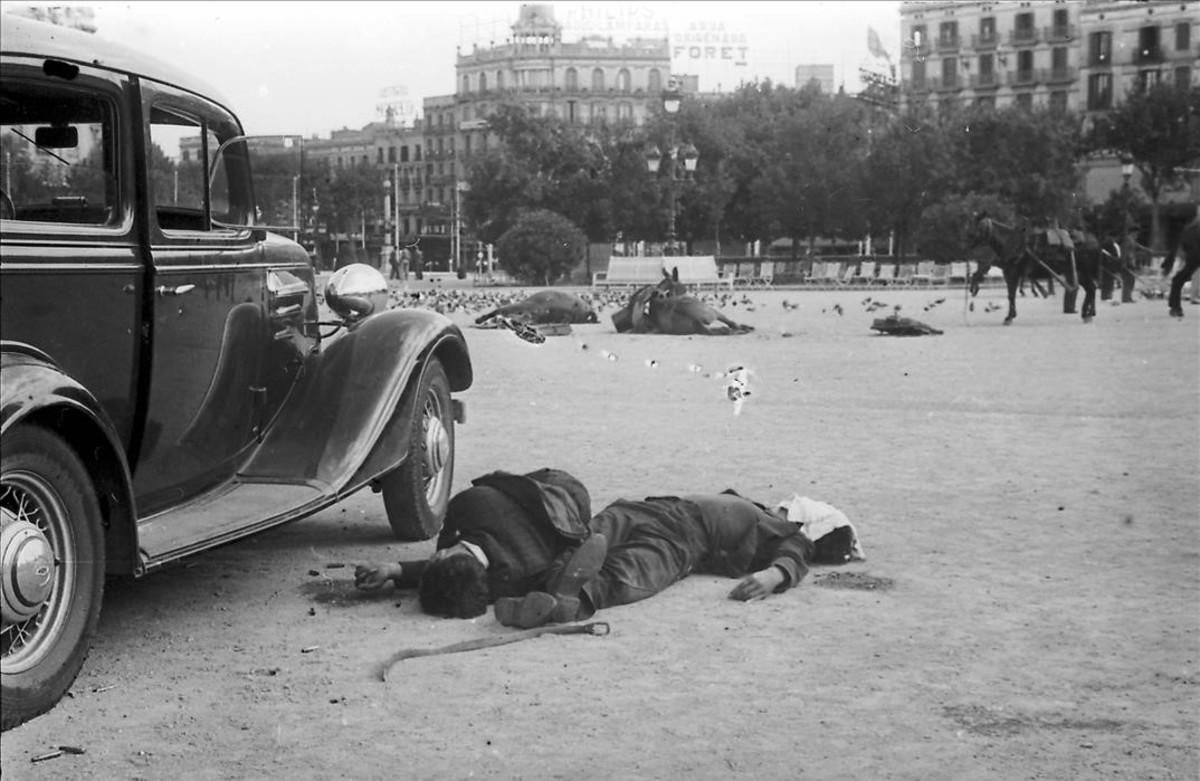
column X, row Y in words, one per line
column 415, row 494
column 52, row 564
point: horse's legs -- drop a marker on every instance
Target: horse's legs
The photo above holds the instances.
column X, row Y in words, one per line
column 1070, row 291
column 1012, row 278
column 1089, row 298
column 1175, row 299
column 1128, row 280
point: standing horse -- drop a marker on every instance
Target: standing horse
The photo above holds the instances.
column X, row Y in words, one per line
column 667, row 308
column 1019, row 254
column 1189, row 247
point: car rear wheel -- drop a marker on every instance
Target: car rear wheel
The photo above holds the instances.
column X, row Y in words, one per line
column 415, row 494
column 52, row 563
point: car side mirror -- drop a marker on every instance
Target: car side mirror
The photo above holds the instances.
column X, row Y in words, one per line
column 56, row 137
column 357, row 291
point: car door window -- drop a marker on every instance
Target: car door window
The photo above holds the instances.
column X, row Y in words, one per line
column 198, row 170
column 58, row 160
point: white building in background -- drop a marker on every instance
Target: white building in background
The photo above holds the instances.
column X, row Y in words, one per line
column 821, row 74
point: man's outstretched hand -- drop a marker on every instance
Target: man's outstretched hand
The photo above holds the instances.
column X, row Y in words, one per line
column 372, row 578
column 758, row 585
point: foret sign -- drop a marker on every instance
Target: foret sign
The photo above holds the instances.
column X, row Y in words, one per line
column 702, row 40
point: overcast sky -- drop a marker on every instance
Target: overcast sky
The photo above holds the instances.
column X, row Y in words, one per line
column 311, row 67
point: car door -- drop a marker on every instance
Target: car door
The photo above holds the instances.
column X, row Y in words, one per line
column 71, row 270
column 208, row 328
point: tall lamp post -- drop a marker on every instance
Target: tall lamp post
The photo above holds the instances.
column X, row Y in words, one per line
column 674, row 155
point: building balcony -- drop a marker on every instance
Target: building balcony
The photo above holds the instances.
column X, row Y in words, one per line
column 984, row 42
column 1063, row 75
column 1024, row 78
column 1024, row 36
column 1100, row 101
column 1150, row 55
column 983, row 81
column 1059, row 33
column 953, row 84
column 948, row 43
column 917, row 51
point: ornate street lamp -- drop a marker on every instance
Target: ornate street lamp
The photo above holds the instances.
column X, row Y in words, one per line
column 687, row 154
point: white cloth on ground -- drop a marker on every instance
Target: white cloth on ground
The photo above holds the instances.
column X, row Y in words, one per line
column 816, row 519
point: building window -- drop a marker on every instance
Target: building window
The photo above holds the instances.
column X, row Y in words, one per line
column 598, row 79
column 1183, row 36
column 1023, row 29
column 572, row 79
column 483, row 82
column 1148, row 49
column 391, row 154
column 949, row 71
column 467, row 145
column 1061, row 26
column 625, row 112
column 466, row 83
column 918, row 36
column 1059, row 70
column 918, row 74
column 654, row 80
column 1183, row 76
column 1099, row 96
column 500, row 80
column 1058, row 101
column 1025, row 67
column 987, row 30
column 1148, row 79
column 1100, row 49
column 624, row 83
column 404, row 153
column 987, row 71
column 948, row 34
column 379, row 155
column 1024, row 100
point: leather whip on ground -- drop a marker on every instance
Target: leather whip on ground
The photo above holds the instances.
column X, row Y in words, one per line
column 594, row 628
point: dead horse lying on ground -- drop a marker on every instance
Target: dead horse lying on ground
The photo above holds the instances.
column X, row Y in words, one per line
column 667, row 308
column 545, row 307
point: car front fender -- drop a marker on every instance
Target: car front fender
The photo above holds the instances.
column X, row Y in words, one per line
column 35, row 391
column 347, row 395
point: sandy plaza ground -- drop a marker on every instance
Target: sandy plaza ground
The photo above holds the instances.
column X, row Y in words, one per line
column 1028, row 498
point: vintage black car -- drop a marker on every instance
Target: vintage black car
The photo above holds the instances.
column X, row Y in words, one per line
column 166, row 383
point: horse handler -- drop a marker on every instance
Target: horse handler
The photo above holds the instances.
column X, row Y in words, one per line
column 521, row 542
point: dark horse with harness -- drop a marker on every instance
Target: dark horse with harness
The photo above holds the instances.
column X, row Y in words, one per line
column 1025, row 253
column 667, row 308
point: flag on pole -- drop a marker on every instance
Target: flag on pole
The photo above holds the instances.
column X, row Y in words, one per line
column 875, row 45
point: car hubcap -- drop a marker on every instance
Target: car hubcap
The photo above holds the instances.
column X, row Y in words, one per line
column 38, row 578
column 27, row 561
column 437, row 451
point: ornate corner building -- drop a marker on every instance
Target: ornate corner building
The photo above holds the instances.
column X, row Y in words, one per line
column 592, row 81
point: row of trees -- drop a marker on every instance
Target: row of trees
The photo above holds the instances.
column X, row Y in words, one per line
column 777, row 162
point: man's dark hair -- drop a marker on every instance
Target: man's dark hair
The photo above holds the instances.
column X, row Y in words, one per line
column 454, row 587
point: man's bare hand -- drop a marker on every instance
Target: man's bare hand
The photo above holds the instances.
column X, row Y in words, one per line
column 368, row 578
column 758, row 585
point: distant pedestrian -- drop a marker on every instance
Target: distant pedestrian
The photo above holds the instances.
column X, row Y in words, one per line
column 394, row 262
column 405, row 260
